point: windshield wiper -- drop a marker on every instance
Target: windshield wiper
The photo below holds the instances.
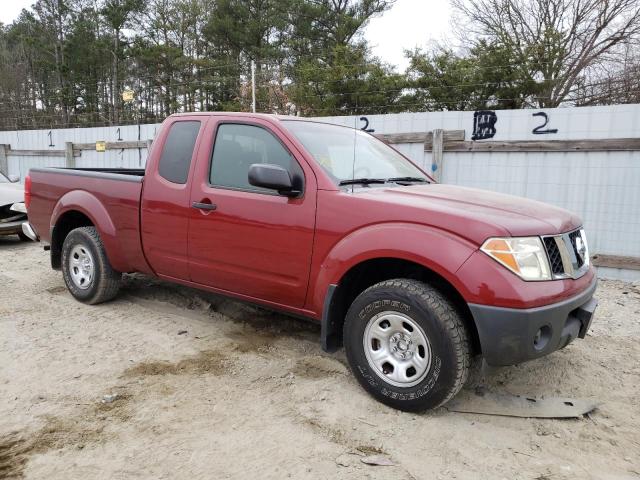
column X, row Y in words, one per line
column 367, row 181
column 406, row 179
column 363, row 181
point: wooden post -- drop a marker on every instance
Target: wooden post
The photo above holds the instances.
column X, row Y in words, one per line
column 4, row 161
column 69, row 160
column 436, row 154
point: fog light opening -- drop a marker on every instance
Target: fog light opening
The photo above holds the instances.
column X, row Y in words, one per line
column 542, row 337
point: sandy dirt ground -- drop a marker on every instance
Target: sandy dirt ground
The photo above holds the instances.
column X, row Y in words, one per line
column 207, row 388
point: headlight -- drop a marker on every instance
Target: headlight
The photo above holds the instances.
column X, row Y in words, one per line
column 524, row 256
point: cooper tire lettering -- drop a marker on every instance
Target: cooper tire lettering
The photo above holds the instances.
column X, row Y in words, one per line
column 384, row 303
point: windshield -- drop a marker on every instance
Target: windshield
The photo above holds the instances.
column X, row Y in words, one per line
column 347, row 153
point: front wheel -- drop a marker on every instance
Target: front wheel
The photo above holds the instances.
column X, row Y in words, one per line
column 407, row 345
column 86, row 268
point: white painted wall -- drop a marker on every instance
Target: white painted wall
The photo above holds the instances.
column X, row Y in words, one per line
column 602, row 187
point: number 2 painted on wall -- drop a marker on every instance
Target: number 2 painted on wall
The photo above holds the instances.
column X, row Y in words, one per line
column 366, row 125
column 538, row 130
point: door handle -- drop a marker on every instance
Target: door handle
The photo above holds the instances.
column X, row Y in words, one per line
column 204, row 206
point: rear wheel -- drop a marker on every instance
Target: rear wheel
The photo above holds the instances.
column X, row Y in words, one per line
column 407, row 345
column 86, row 268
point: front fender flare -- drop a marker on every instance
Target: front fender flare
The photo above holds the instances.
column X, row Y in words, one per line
column 438, row 250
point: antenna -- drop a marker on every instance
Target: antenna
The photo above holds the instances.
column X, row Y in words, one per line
column 355, row 139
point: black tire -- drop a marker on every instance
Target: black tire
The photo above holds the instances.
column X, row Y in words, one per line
column 23, row 237
column 477, row 373
column 105, row 281
column 448, row 340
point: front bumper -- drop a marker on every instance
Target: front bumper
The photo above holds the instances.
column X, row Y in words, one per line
column 12, row 228
column 30, row 232
column 11, row 223
column 511, row 335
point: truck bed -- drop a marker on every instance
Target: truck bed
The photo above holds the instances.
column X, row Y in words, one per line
column 113, row 193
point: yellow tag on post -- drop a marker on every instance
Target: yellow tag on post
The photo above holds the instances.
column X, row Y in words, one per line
column 101, row 146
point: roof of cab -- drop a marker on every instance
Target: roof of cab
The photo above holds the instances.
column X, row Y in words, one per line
column 237, row 114
column 266, row 116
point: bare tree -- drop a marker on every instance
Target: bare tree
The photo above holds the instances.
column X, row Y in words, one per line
column 613, row 86
column 556, row 42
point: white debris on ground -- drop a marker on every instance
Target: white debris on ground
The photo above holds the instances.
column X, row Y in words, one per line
column 169, row 382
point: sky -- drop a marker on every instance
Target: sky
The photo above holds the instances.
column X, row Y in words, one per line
column 10, row 9
column 408, row 24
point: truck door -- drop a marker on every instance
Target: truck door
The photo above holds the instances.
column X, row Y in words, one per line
column 165, row 206
column 244, row 239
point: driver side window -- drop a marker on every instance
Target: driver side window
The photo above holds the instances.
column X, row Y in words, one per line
column 237, row 147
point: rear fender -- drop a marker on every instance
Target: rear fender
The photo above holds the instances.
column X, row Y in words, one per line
column 89, row 205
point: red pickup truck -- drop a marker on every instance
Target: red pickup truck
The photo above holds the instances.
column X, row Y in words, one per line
column 416, row 279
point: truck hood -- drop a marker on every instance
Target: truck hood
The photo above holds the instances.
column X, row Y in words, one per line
column 11, row 193
column 479, row 213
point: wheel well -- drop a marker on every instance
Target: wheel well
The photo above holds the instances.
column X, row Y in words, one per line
column 368, row 273
column 67, row 222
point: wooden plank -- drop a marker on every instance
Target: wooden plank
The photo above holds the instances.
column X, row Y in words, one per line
column 436, row 154
column 76, row 148
column 420, row 137
column 601, row 145
column 448, row 137
column 616, row 261
column 36, row 153
column 417, row 137
column 112, row 145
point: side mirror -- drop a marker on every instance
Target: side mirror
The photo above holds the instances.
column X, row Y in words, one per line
column 13, row 178
column 273, row 177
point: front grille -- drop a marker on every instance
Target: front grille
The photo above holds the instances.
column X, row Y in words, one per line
column 555, row 259
column 568, row 254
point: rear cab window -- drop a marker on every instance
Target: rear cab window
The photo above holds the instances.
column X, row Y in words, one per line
column 177, row 151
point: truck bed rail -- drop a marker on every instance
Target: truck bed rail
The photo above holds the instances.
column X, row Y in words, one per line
column 123, row 174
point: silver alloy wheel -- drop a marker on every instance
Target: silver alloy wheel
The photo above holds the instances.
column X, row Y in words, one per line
column 81, row 266
column 397, row 349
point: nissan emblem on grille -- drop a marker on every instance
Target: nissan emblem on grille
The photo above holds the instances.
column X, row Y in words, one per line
column 581, row 249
